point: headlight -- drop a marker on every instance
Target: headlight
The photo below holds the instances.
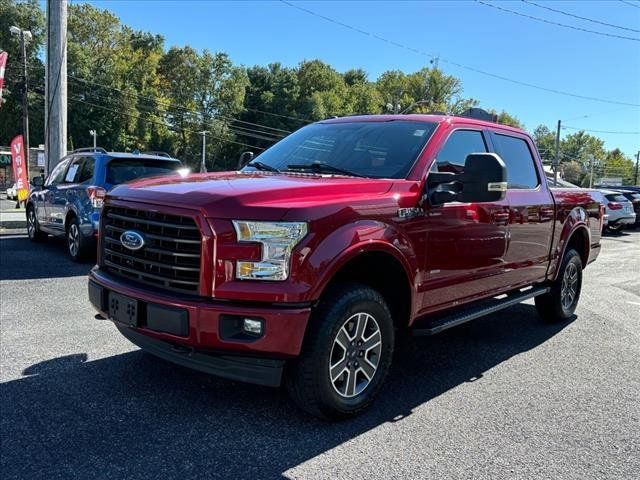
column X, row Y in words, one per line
column 277, row 239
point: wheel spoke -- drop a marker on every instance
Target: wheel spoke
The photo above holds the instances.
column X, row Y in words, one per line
column 338, row 368
column 372, row 341
column 368, row 368
column 343, row 338
column 361, row 324
column 350, row 383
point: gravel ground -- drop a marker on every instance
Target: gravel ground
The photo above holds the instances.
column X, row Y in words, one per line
column 501, row 397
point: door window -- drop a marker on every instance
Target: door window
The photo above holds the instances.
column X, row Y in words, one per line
column 73, row 172
column 57, row 175
column 86, row 171
column 521, row 169
column 453, row 154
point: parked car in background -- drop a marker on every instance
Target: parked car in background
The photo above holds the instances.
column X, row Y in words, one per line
column 69, row 201
column 12, row 192
column 634, row 198
column 618, row 209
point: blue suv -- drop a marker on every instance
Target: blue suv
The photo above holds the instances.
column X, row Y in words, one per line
column 69, row 201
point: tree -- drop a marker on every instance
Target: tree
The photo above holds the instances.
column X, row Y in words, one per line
column 546, row 142
column 28, row 16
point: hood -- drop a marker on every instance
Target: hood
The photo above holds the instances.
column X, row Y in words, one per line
column 258, row 195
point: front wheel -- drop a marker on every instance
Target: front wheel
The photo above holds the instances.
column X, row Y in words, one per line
column 33, row 227
column 346, row 355
column 561, row 301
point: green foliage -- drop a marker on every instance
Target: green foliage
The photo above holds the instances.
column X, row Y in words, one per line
column 139, row 95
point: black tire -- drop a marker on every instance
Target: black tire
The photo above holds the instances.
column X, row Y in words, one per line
column 78, row 245
column 616, row 228
column 33, row 227
column 554, row 306
column 308, row 378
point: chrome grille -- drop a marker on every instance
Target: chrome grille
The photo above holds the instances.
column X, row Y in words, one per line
column 170, row 257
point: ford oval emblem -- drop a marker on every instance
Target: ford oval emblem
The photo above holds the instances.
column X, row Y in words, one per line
column 132, row 240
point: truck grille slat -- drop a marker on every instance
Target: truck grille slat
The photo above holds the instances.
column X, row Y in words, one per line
column 170, row 257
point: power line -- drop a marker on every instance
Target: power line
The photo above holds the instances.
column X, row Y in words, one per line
column 550, row 22
column 456, row 64
column 568, row 14
column 631, row 4
column 167, row 125
column 602, row 131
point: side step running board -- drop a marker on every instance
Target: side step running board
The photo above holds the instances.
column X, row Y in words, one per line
column 479, row 309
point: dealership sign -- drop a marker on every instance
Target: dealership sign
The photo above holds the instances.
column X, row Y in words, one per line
column 20, row 167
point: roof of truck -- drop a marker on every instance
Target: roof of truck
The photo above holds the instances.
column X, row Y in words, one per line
column 418, row 117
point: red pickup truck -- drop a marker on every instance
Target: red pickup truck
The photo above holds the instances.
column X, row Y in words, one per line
column 304, row 267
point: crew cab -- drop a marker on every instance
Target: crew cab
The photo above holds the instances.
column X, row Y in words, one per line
column 69, row 201
column 307, row 265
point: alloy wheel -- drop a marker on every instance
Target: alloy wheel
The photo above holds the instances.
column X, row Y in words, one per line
column 74, row 240
column 355, row 355
column 31, row 223
column 569, row 288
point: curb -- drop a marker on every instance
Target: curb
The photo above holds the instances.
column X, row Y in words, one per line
column 13, row 224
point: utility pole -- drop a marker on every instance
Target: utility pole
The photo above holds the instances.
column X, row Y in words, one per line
column 25, row 36
column 556, row 160
column 591, row 171
column 56, row 83
column 635, row 177
column 203, row 167
column 94, row 135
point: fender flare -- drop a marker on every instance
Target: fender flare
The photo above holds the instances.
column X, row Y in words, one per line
column 576, row 220
column 347, row 243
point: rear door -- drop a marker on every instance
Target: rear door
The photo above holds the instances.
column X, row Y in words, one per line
column 531, row 210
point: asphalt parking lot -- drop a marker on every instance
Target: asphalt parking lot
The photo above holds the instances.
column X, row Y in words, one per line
column 501, row 397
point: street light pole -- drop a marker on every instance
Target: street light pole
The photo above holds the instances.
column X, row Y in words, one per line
column 24, row 35
column 203, row 167
column 94, row 135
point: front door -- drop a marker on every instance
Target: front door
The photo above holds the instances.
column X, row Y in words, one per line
column 48, row 216
column 466, row 242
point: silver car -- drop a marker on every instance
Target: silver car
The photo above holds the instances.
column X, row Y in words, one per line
column 619, row 210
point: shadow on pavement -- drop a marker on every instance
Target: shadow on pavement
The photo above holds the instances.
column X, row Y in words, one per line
column 135, row 416
column 21, row 259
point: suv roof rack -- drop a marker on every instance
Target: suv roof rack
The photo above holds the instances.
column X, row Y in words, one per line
column 480, row 114
column 90, row 149
column 157, row 153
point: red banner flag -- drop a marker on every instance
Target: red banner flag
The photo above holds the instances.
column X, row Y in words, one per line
column 3, row 64
column 19, row 158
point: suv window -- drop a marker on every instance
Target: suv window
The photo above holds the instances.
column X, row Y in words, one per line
column 454, row 152
column 515, row 152
column 121, row 170
column 58, row 172
column 616, row 197
column 72, row 172
column 86, row 171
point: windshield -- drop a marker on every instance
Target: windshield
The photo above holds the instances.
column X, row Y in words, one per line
column 122, row 170
column 369, row 149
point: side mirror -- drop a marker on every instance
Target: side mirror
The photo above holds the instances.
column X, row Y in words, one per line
column 484, row 178
column 37, row 182
column 245, row 157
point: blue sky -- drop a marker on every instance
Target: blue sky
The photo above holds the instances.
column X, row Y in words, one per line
column 464, row 32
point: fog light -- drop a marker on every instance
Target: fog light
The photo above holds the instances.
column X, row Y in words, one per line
column 253, row 327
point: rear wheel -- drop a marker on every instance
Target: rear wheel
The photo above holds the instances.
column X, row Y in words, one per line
column 561, row 301
column 78, row 246
column 617, row 227
column 33, row 228
column 346, row 356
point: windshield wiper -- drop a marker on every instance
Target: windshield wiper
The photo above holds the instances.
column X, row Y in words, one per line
column 320, row 167
column 257, row 164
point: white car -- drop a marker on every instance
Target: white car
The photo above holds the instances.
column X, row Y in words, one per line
column 618, row 209
column 12, row 192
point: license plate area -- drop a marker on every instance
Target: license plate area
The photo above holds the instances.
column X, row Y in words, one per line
column 123, row 309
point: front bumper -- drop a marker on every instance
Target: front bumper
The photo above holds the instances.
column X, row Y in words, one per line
column 200, row 335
